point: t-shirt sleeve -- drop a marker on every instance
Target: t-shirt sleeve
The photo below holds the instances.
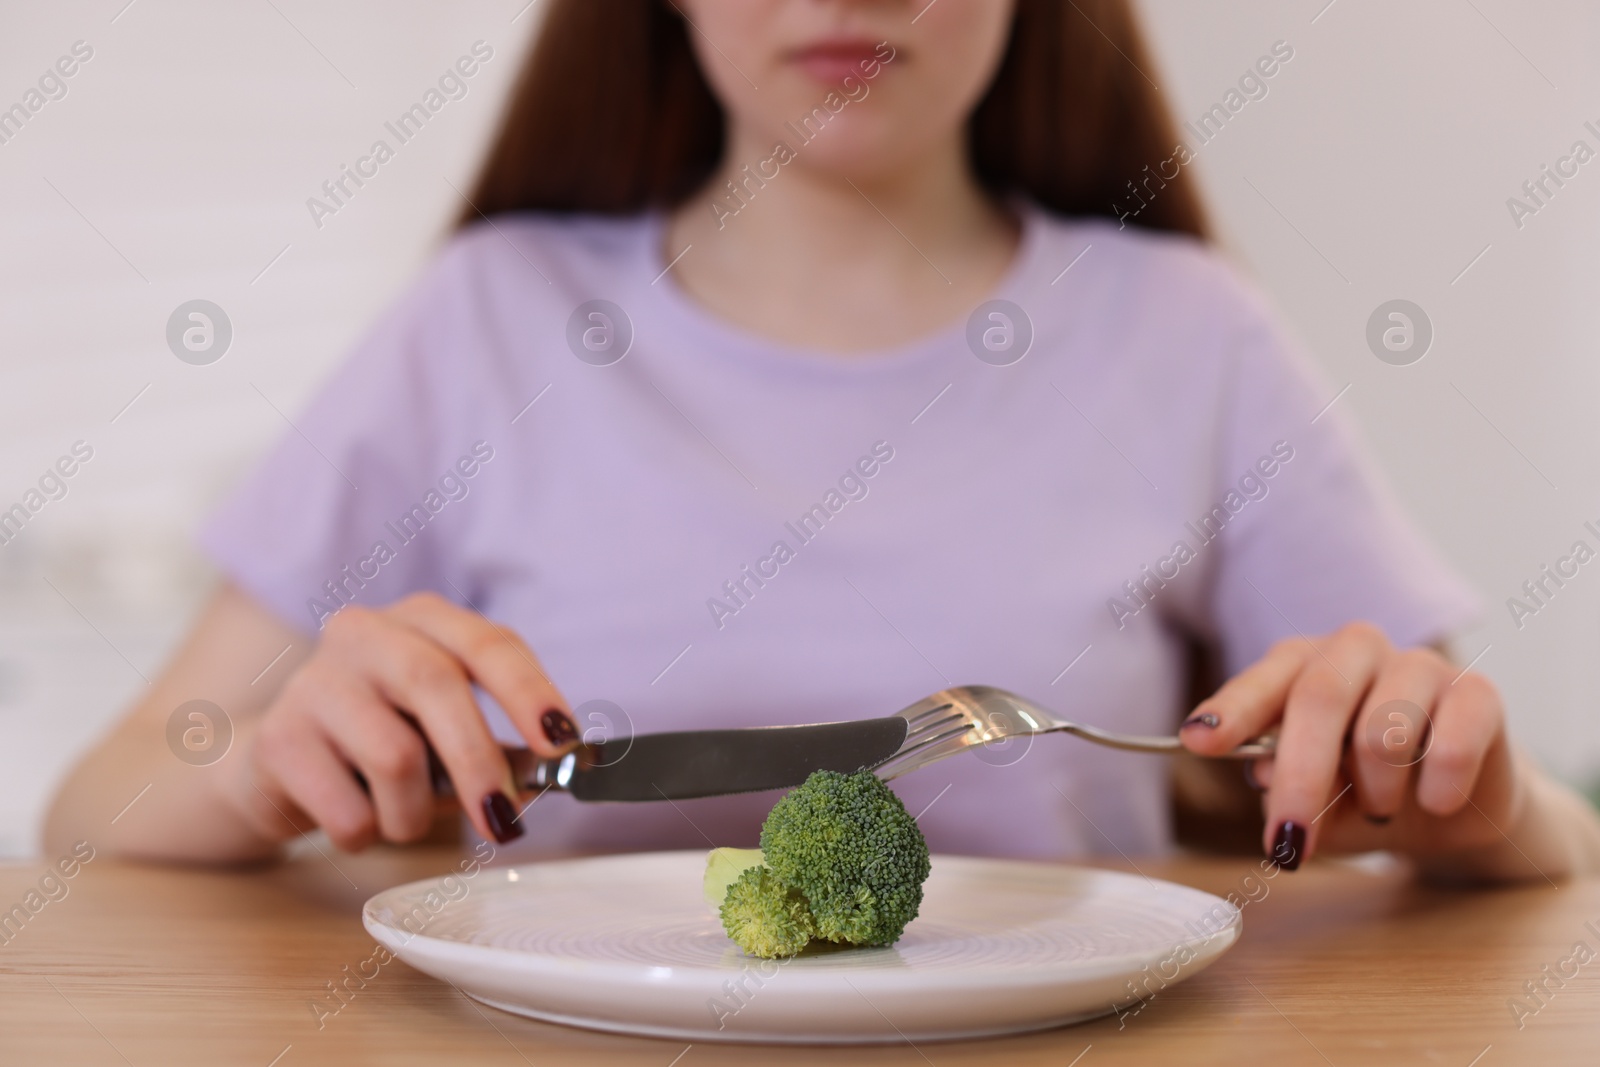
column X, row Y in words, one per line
column 1322, row 541
column 350, row 504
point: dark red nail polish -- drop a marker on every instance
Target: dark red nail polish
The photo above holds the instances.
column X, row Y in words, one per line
column 1379, row 820
column 501, row 817
column 1206, row 719
column 1289, row 845
column 558, row 728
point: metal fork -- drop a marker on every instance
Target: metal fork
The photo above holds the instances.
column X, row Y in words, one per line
column 953, row 720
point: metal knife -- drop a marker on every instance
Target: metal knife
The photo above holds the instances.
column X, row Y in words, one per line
column 702, row 763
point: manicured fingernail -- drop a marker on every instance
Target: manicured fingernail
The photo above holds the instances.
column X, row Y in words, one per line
column 1289, row 845
column 501, row 817
column 1206, row 719
column 1379, row 820
column 558, row 728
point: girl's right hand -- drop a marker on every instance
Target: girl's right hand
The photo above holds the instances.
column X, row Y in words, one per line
column 379, row 688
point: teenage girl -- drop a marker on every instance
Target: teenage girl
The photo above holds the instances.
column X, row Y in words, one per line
column 791, row 362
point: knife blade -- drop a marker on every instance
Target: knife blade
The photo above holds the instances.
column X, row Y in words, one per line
column 701, row 763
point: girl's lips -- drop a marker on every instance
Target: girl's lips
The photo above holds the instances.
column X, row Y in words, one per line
column 833, row 61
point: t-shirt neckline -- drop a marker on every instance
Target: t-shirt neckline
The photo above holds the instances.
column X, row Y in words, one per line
column 695, row 325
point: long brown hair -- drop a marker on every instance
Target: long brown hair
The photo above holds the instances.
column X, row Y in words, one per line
column 611, row 114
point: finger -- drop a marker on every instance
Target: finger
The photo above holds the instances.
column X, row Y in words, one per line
column 1469, row 720
column 1248, row 703
column 302, row 761
column 418, row 676
column 1258, row 774
column 1391, row 730
column 1321, row 703
column 390, row 755
column 502, row 663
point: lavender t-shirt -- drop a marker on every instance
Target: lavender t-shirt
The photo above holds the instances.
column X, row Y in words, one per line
column 714, row 529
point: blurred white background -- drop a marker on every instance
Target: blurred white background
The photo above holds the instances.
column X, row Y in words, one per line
column 178, row 164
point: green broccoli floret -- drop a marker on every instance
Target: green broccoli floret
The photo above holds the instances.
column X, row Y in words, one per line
column 765, row 917
column 840, row 859
column 848, row 845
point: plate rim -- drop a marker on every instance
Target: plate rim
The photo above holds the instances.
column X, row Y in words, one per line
column 399, row 942
column 762, row 1037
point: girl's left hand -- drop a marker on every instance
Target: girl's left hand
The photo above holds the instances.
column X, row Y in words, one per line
column 1378, row 748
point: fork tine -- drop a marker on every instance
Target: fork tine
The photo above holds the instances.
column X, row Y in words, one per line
column 956, row 719
column 911, row 759
column 919, row 716
column 938, row 724
column 930, row 741
column 913, row 746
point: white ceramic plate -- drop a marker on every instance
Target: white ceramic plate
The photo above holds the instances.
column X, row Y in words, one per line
column 626, row 943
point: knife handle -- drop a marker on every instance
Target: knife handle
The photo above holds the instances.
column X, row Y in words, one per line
column 530, row 772
column 544, row 773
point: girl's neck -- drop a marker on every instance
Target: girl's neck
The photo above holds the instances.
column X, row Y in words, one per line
column 822, row 260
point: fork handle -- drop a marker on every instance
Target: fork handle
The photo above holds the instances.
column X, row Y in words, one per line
column 1261, row 746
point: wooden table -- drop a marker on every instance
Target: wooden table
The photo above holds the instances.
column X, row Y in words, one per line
column 1338, row 964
